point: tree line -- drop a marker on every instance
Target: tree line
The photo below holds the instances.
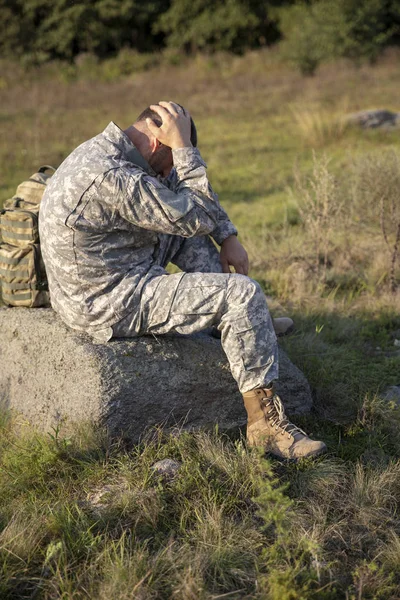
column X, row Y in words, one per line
column 310, row 30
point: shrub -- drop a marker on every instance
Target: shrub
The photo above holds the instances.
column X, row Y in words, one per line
column 319, row 126
column 46, row 29
column 228, row 25
column 376, row 195
column 320, row 207
column 128, row 61
column 310, row 33
column 326, row 29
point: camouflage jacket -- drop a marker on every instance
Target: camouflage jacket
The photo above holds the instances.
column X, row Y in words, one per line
column 99, row 222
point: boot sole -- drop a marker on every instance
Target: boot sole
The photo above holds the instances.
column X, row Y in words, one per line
column 284, row 459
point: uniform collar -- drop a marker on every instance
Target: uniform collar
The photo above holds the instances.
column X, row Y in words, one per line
column 128, row 150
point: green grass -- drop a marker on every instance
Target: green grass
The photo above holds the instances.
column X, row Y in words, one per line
column 85, row 517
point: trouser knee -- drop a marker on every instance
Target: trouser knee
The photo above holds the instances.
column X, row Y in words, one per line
column 243, row 290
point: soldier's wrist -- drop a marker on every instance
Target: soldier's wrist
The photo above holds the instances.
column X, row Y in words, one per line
column 179, row 144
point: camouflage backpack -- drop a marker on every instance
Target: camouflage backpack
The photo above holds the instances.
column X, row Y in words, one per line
column 22, row 273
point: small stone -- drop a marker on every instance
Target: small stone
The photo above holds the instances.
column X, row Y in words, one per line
column 397, row 343
column 167, row 467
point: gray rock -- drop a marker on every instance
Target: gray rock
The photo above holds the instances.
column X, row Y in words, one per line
column 374, row 119
column 50, row 373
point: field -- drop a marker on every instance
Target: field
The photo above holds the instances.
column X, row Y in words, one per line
column 317, row 206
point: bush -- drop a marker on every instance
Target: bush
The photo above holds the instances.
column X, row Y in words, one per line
column 376, row 196
column 206, row 25
column 43, row 30
column 326, row 29
column 320, row 207
column 128, row 61
column 369, row 27
column 47, row 29
column 310, row 33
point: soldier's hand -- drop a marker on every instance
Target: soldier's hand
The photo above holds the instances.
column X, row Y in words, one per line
column 175, row 129
column 233, row 254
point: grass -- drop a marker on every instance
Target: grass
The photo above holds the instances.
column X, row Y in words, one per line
column 319, row 127
column 85, row 517
column 91, row 516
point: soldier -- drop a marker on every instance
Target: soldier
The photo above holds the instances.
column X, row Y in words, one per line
column 120, row 208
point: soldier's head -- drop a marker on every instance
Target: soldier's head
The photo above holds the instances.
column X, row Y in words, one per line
column 157, row 154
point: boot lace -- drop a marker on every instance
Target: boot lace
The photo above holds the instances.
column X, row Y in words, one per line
column 276, row 414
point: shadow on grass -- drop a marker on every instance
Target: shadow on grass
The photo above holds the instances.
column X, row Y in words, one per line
column 349, row 362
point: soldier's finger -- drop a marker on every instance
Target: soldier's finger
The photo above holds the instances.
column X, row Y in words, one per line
column 183, row 109
column 172, row 108
column 160, row 110
column 225, row 266
column 169, row 107
column 179, row 109
column 153, row 128
column 239, row 269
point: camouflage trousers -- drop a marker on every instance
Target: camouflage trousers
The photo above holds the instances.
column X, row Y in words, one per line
column 202, row 296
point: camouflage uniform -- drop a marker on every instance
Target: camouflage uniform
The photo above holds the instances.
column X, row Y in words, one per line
column 109, row 227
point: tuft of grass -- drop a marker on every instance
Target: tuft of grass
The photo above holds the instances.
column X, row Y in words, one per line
column 319, row 126
column 375, row 190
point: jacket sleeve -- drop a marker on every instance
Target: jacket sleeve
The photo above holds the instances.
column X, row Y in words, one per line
column 223, row 226
column 189, row 210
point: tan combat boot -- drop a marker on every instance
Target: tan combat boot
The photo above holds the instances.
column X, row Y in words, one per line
column 268, row 426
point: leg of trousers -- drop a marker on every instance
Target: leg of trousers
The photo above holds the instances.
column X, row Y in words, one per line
column 234, row 303
column 196, row 254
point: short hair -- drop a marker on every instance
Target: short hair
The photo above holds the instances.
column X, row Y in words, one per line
column 149, row 113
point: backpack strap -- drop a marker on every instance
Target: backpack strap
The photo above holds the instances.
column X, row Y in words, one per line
column 45, row 168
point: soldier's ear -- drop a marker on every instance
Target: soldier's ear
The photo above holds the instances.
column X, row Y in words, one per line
column 154, row 144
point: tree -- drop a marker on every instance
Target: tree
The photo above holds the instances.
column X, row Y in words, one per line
column 60, row 29
column 311, row 33
column 227, row 25
column 369, row 27
column 320, row 30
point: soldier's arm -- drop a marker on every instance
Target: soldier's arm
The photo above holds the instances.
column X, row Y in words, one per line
column 224, row 226
column 191, row 209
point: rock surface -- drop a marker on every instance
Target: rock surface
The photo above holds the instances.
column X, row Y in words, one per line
column 51, row 373
column 374, row 119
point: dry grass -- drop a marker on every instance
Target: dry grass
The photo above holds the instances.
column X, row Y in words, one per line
column 320, row 126
column 376, row 196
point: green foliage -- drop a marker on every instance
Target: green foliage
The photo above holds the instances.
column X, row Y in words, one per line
column 108, row 523
column 43, row 29
column 310, row 33
column 369, row 27
column 228, row 25
column 322, row 30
